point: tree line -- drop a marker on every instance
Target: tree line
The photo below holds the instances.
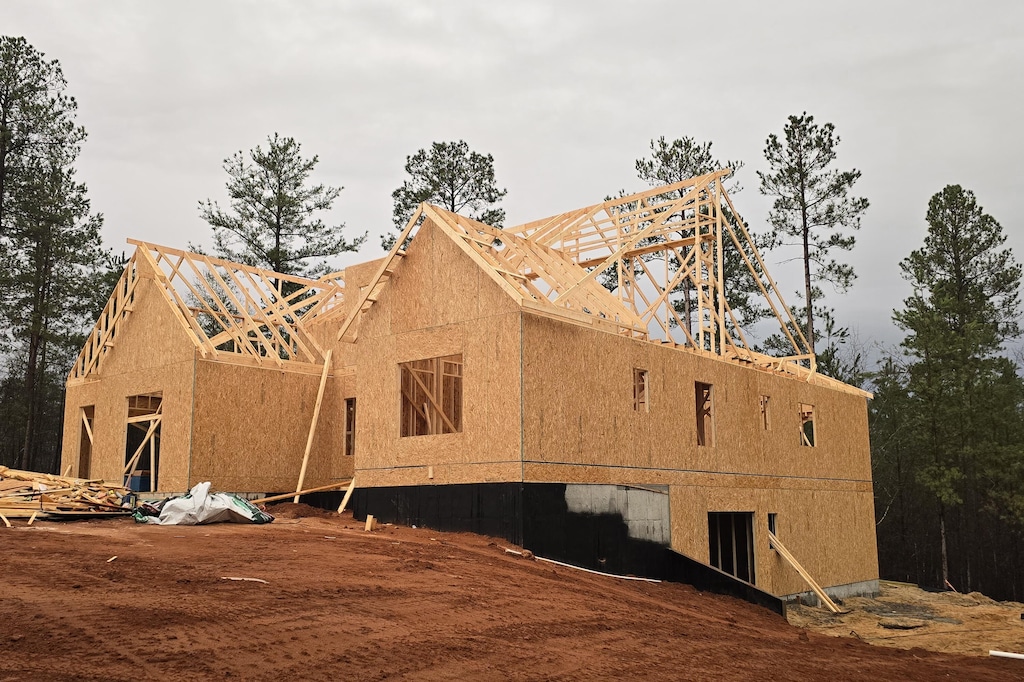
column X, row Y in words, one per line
column 946, row 422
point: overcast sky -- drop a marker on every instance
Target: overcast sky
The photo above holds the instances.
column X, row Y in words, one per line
column 564, row 95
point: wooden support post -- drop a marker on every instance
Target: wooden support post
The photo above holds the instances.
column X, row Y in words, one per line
column 152, row 464
column 371, row 523
column 312, row 426
column 348, row 495
column 803, row 573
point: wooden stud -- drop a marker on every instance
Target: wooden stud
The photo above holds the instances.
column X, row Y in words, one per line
column 312, row 426
column 348, row 495
column 815, row 587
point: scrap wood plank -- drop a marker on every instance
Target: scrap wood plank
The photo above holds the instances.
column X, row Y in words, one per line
column 24, row 513
column 285, row 496
column 348, row 494
column 781, row 549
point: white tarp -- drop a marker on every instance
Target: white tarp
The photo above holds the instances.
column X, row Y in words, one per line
column 200, row 506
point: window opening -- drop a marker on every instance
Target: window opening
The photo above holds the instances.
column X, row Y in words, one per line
column 765, row 424
column 640, row 391
column 807, row 432
column 705, row 424
column 142, row 442
column 731, row 543
column 350, row 426
column 431, row 396
column 86, row 441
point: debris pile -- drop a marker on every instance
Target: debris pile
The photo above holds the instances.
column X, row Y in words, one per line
column 30, row 494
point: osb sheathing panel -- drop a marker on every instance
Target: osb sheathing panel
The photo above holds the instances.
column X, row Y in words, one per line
column 326, row 332
column 828, row 525
column 578, row 409
column 342, row 463
column 830, row 532
column 582, row 428
column 151, row 354
column 251, row 426
column 438, row 302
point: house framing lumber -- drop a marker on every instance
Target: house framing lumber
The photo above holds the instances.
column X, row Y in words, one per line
column 230, row 311
column 578, row 385
column 647, row 246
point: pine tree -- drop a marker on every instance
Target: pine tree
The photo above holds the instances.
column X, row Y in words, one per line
column 965, row 397
column 812, row 204
column 52, row 258
column 271, row 222
column 452, row 176
column 682, row 159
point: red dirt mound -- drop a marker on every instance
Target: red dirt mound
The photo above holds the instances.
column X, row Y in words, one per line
column 327, row 601
column 299, row 510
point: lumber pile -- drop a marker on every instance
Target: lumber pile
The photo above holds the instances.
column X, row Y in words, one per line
column 30, row 494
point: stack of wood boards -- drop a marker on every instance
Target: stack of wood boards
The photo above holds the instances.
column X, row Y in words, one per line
column 27, row 493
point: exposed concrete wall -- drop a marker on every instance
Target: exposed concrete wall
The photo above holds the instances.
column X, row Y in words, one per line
column 645, row 512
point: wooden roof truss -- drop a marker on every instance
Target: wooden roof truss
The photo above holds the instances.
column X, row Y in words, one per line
column 655, row 244
column 231, row 312
column 648, row 247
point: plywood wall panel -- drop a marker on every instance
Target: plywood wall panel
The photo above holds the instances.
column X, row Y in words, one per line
column 151, row 354
column 586, row 415
column 580, row 427
column 251, row 427
column 806, row 521
column 439, row 303
column 110, row 399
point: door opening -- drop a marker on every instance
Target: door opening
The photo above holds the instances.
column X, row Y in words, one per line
column 85, row 441
column 142, row 442
column 731, row 540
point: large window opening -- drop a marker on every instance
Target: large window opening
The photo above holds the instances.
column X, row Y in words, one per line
column 142, row 443
column 731, row 543
column 431, row 396
column 808, row 437
column 86, row 441
column 350, row 426
column 640, row 391
column 705, row 414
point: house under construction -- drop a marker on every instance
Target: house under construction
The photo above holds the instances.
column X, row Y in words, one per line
column 540, row 383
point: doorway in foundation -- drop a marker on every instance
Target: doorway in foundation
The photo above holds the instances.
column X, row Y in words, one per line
column 142, row 442
column 731, row 540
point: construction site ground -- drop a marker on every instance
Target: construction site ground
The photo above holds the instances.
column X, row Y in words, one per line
column 904, row 616
column 331, row 601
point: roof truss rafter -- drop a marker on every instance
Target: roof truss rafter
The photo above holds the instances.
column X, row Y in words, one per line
column 230, row 311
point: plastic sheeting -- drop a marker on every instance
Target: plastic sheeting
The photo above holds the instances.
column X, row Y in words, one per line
column 200, row 506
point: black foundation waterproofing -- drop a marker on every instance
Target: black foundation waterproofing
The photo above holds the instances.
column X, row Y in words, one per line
column 536, row 516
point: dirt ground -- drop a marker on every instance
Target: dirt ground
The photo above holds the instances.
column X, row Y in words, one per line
column 905, row 616
column 340, row 603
